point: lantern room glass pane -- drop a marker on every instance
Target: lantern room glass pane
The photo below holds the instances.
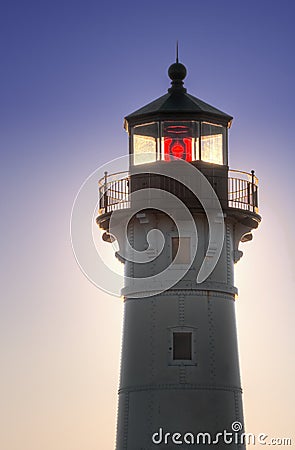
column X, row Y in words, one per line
column 180, row 140
column 144, row 142
column 212, row 142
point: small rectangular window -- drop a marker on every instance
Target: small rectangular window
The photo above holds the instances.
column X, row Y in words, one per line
column 182, row 345
column 183, row 246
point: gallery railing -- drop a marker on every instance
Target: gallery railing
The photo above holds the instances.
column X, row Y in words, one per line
column 242, row 191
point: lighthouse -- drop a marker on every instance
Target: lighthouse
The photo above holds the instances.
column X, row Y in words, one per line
column 178, row 216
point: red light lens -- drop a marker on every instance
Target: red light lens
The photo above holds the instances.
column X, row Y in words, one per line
column 178, row 148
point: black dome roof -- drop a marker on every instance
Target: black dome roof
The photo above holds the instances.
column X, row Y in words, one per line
column 178, row 104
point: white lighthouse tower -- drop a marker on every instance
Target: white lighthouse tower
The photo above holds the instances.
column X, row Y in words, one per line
column 180, row 379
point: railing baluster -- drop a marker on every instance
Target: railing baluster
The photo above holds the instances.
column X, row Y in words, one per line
column 105, row 192
column 242, row 193
column 253, row 184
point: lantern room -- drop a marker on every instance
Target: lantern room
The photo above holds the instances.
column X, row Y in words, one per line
column 189, row 140
column 178, row 125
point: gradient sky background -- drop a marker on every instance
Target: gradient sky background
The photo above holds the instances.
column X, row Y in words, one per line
column 70, row 71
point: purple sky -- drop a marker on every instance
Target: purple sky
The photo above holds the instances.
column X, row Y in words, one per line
column 72, row 69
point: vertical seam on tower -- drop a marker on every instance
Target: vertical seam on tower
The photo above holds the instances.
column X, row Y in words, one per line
column 182, row 374
column 152, row 340
column 211, row 341
column 151, row 412
column 212, row 360
column 152, row 364
column 181, row 322
column 126, row 421
column 228, row 256
column 131, row 236
column 181, row 310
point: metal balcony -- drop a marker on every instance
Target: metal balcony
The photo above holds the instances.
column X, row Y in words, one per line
column 242, row 191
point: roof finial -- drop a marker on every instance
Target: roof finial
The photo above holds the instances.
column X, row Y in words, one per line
column 177, row 73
